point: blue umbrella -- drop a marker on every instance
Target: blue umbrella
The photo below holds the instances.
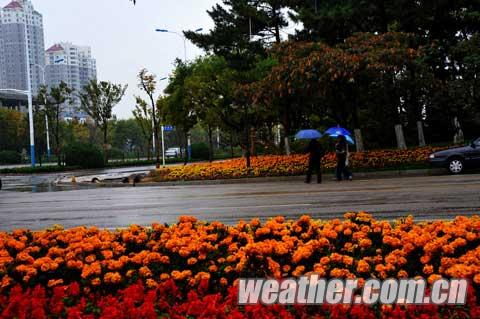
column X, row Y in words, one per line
column 337, row 131
column 347, row 137
column 308, row 135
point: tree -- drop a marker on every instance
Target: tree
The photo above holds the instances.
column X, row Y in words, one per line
column 148, row 84
column 127, row 136
column 178, row 106
column 143, row 117
column 206, row 90
column 13, row 130
column 98, row 100
column 55, row 101
column 243, row 29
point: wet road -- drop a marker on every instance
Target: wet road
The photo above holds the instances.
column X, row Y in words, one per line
column 46, row 182
column 424, row 197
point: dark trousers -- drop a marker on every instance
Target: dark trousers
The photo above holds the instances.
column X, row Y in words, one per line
column 314, row 166
column 342, row 169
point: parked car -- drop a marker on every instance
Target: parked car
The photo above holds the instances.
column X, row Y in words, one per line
column 172, row 152
column 457, row 159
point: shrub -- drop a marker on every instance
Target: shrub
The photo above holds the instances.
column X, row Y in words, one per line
column 200, row 151
column 84, row 155
column 116, row 153
column 10, row 157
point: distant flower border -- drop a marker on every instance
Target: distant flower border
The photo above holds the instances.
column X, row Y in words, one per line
column 190, row 269
column 283, row 165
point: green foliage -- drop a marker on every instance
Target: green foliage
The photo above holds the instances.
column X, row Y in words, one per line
column 10, row 157
column 361, row 64
column 178, row 107
column 84, row 155
column 54, row 102
column 13, row 130
column 200, row 151
column 98, row 100
column 116, row 153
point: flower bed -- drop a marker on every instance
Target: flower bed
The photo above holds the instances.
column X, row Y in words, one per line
column 189, row 269
column 271, row 165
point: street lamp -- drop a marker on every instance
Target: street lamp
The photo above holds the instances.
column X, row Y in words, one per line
column 162, row 130
column 181, row 36
column 42, row 68
column 189, row 142
column 29, row 95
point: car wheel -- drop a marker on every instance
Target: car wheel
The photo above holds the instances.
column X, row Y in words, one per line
column 455, row 166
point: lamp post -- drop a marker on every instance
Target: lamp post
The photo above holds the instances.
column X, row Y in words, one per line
column 189, row 142
column 42, row 68
column 29, row 95
column 153, row 133
column 46, row 116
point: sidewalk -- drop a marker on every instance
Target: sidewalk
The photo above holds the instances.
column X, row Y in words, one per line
column 326, row 177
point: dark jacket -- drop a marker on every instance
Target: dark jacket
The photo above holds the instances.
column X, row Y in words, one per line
column 341, row 151
column 315, row 150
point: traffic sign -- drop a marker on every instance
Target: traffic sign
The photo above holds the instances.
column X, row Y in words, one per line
column 168, row 128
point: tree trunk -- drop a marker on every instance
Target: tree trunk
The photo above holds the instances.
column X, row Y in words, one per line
column 287, row 127
column 210, row 144
column 421, row 136
column 247, row 145
column 57, row 138
column 253, row 134
column 277, row 27
column 400, row 137
column 157, row 147
column 155, row 132
column 149, row 149
column 105, row 141
column 185, row 144
column 359, row 140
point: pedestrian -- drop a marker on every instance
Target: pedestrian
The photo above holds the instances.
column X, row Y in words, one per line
column 316, row 153
column 341, row 149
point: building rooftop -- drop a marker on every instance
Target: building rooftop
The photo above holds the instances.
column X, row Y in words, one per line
column 56, row 47
column 13, row 5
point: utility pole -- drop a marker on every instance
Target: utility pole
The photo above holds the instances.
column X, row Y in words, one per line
column 29, row 95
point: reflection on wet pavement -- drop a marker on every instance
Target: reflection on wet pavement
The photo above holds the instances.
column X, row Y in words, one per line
column 39, row 183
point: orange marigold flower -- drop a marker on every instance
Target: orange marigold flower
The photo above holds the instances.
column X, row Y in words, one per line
column 365, row 243
column 428, row 269
column 363, row 266
column 96, row 282
column 151, row 283
column 145, row 272
column 6, row 281
column 90, row 259
column 112, row 277
column 164, row 277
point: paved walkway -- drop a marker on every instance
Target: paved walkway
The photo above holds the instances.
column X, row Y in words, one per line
column 424, row 197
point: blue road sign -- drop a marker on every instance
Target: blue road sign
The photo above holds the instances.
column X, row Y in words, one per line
column 168, row 128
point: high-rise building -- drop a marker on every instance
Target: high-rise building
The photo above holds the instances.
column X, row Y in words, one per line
column 13, row 66
column 73, row 65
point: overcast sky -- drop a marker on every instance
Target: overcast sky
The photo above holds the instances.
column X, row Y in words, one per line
column 123, row 37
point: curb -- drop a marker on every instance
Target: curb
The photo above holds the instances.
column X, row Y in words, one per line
column 328, row 176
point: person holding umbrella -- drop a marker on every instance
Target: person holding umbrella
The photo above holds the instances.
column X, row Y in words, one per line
column 341, row 149
column 315, row 151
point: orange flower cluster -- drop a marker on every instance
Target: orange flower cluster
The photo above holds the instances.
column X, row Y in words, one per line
column 190, row 252
column 273, row 165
